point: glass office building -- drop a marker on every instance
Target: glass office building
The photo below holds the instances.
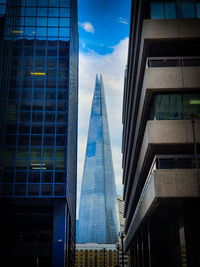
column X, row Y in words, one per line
column 39, row 80
column 98, row 221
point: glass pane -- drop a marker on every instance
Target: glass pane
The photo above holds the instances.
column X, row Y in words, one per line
column 65, row 12
column 22, row 152
column 33, row 189
column 34, row 177
column 157, row 10
column 41, row 21
column 191, row 105
column 176, row 111
column 53, row 22
column 170, row 10
column 47, row 177
column 60, row 177
column 36, row 140
column 21, row 177
column 20, row 190
column 23, row 140
column 187, row 9
column 49, row 140
column 162, row 111
column 198, row 9
column 21, row 164
column 47, row 189
column 41, row 11
column 59, row 190
column 35, row 153
column 53, row 12
column 48, row 153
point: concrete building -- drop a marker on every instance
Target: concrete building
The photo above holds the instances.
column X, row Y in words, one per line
column 38, row 132
column 161, row 134
column 96, row 255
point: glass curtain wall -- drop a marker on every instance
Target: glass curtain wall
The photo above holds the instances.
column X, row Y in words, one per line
column 171, row 9
column 35, row 75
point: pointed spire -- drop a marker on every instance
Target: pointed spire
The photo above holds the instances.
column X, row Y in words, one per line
column 97, row 214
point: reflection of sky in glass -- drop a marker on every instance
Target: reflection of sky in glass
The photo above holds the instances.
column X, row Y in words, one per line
column 97, row 214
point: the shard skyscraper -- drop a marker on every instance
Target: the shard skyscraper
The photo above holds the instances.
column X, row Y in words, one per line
column 98, row 221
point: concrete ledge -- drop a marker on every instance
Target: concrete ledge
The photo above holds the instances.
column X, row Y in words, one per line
column 171, row 29
column 157, row 79
column 163, row 183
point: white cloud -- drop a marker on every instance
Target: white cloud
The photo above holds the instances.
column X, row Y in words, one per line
column 112, row 67
column 124, row 21
column 87, row 26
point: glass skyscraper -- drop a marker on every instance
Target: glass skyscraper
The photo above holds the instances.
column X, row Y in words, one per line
column 38, row 120
column 98, row 221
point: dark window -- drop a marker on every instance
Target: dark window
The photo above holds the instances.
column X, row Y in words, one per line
column 11, row 128
column 61, row 129
column 47, row 177
column 49, row 117
column 59, row 190
column 21, row 177
column 40, row 61
column 62, row 117
column 62, row 106
column 36, row 129
column 22, row 152
column 20, row 189
column 23, row 140
column 25, row 105
column 49, row 140
column 37, row 105
column 40, row 52
column 51, row 83
column 50, row 105
column 46, row 189
column 34, row 177
column 36, row 140
column 60, row 177
column 52, row 62
column 24, row 128
column 10, row 140
column 25, row 116
column 63, row 84
column 8, row 177
column 61, row 140
column 7, row 189
column 50, row 94
column 37, row 116
column 187, row 9
column 33, row 189
column 49, row 129
column 26, row 93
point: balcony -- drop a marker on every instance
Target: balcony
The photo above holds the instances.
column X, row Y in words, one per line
column 163, row 184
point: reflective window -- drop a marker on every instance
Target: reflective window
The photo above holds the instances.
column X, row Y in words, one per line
column 37, row 116
column 50, row 105
column 170, row 10
column 41, row 11
column 61, row 140
column 157, row 10
column 65, row 12
column 30, row 21
column 30, row 11
column 53, row 12
column 187, row 9
column 24, row 128
column 53, row 22
column 42, row 21
column 11, row 140
column 176, row 106
column 61, row 128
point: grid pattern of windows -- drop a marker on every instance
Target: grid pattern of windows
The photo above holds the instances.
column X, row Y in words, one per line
column 171, row 9
column 36, row 74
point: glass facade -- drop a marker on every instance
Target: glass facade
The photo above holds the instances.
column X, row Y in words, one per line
column 97, row 214
column 171, row 9
column 177, row 106
column 36, row 84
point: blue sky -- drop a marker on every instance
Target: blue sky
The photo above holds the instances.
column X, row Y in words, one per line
column 103, row 38
column 110, row 21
